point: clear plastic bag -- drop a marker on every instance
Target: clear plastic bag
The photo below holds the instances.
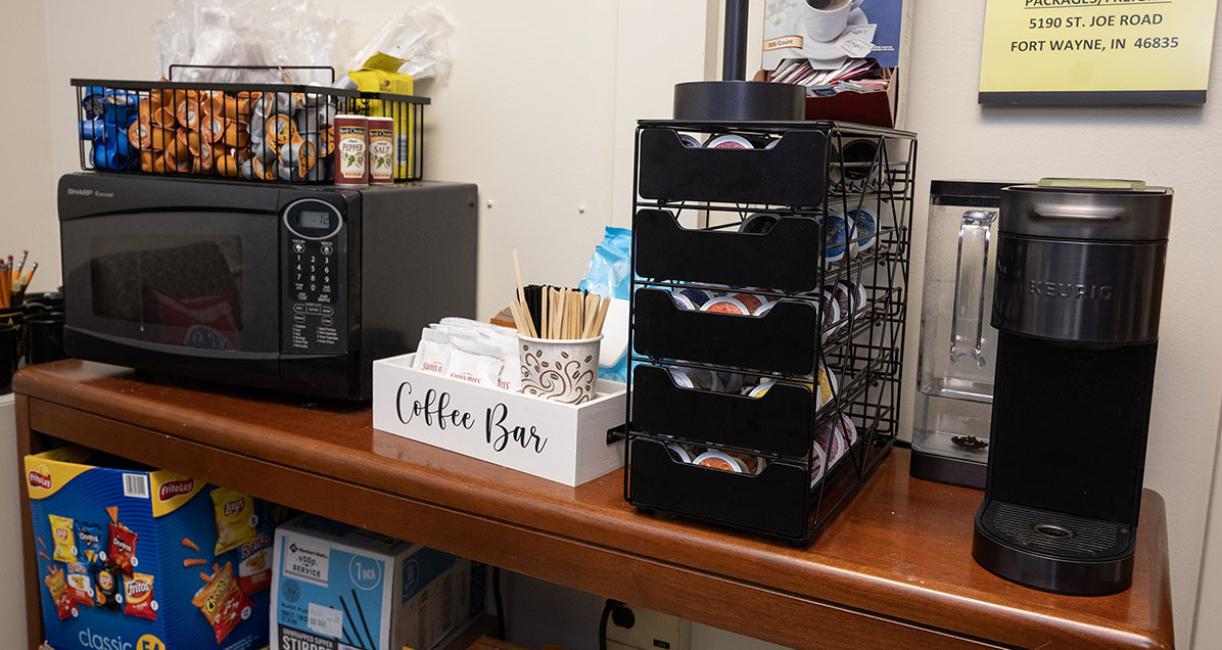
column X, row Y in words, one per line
column 249, row 33
column 417, row 36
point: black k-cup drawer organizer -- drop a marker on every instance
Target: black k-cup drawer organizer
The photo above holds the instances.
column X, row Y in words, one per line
column 767, row 318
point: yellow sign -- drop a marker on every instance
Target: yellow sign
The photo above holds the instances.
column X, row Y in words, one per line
column 1096, row 51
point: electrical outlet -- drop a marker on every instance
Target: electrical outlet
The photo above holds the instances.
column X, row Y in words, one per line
column 650, row 631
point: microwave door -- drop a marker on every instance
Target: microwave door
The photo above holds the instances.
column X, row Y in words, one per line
column 169, row 285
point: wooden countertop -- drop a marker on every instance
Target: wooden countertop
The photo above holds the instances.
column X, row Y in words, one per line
column 892, row 571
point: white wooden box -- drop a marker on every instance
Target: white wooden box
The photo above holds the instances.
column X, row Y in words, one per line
column 559, row 442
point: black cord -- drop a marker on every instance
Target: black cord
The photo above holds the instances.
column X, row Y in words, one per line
column 608, row 607
column 499, row 632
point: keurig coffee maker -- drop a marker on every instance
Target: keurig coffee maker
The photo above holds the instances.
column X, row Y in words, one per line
column 1076, row 304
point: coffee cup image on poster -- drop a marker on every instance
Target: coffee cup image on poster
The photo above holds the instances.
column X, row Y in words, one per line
column 832, row 45
column 828, row 32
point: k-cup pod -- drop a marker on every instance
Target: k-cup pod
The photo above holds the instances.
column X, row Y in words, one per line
column 831, row 311
column 246, row 169
column 844, row 301
column 683, row 302
column 751, row 301
column 829, row 387
column 726, row 305
column 93, row 101
column 212, row 102
column 731, row 382
column 211, row 128
column 307, row 122
column 696, row 379
column 830, row 437
column 277, row 102
column 326, row 141
column 115, row 153
column 188, row 113
column 850, row 297
column 235, row 135
column 202, row 160
column 264, row 151
column 227, row 165
column 264, row 171
column 697, row 296
column 189, row 139
column 280, row 130
column 865, row 225
column 764, row 308
column 759, row 223
column 164, row 117
column 679, row 452
column 731, row 462
column 835, row 238
column 690, row 141
column 561, row 370
column 728, row 141
column 147, row 136
column 720, row 461
column 94, row 129
column 818, row 464
column 848, row 428
column 177, row 156
column 297, row 159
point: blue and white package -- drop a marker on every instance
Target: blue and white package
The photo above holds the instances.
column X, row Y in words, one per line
column 343, row 588
column 127, row 557
column 608, row 275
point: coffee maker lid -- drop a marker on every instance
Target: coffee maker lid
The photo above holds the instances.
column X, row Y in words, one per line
column 1101, row 210
column 968, row 193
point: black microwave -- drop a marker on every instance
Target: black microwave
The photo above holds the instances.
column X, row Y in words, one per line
column 290, row 288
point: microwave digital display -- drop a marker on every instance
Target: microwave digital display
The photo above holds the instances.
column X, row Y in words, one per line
column 315, row 219
column 190, row 285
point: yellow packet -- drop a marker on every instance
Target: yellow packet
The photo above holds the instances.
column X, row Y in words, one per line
column 61, row 533
column 235, row 519
column 380, row 74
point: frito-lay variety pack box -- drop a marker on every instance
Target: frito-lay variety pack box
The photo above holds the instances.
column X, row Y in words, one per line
column 336, row 587
column 131, row 558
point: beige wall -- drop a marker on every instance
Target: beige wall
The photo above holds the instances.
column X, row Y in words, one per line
column 28, row 221
column 539, row 111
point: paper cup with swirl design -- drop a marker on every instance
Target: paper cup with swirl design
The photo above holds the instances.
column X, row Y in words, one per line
column 558, row 369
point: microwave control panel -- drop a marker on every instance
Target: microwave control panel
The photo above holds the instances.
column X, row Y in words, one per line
column 314, row 253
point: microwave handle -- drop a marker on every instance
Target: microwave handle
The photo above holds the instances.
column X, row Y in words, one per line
column 971, row 274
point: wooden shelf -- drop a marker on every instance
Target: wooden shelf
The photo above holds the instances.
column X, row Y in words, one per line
column 894, row 570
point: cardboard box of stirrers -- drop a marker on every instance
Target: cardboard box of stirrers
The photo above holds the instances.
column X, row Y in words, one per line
column 560, row 442
column 336, row 586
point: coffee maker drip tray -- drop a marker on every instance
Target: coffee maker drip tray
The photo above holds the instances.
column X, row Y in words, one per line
column 1054, row 551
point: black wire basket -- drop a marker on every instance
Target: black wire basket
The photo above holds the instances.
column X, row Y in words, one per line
column 279, row 133
column 767, row 318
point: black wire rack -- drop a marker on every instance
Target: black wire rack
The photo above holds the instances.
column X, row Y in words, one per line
column 280, row 133
column 806, row 225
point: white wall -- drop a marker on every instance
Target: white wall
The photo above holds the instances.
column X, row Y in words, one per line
column 539, row 112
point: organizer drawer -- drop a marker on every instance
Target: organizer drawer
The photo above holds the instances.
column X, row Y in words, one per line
column 781, row 422
column 785, row 258
column 783, row 340
column 777, row 501
column 791, row 173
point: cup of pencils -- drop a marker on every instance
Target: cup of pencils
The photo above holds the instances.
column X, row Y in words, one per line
column 559, row 335
column 14, row 279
